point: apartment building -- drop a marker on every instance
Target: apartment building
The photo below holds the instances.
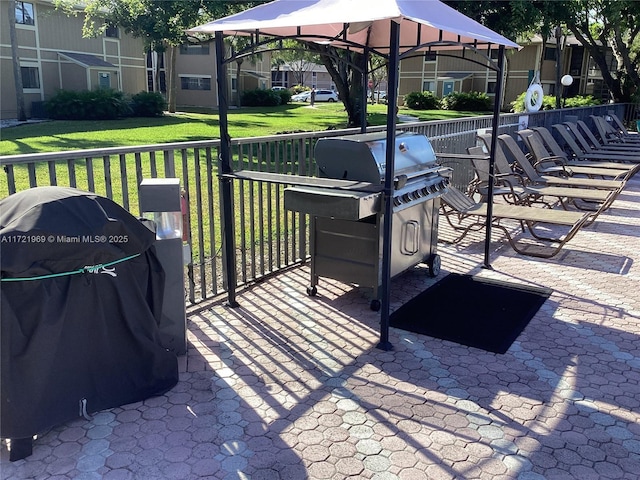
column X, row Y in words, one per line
column 54, row 55
column 447, row 72
column 196, row 71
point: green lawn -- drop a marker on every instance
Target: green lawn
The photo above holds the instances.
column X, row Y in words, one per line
column 196, row 124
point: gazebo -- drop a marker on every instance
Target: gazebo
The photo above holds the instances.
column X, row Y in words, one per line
column 394, row 29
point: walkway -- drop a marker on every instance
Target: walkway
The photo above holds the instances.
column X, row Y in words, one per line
column 293, row 387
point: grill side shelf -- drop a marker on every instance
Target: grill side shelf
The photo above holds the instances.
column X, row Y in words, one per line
column 284, row 179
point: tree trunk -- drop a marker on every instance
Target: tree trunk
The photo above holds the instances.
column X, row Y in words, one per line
column 173, row 79
column 348, row 80
column 15, row 57
column 598, row 55
column 238, row 70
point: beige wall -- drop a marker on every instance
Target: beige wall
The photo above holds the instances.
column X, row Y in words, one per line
column 519, row 67
column 56, row 32
column 203, row 65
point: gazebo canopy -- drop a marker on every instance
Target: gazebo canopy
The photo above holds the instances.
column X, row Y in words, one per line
column 359, row 23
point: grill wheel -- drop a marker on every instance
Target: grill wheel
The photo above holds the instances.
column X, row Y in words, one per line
column 434, row 264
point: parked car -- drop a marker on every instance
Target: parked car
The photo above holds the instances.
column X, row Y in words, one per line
column 321, row 96
column 278, row 88
column 378, row 95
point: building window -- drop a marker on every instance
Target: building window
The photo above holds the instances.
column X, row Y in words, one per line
column 195, row 83
column 429, row 86
column 430, row 56
column 194, row 49
column 30, row 77
column 160, row 59
column 151, row 83
column 104, row 80
column 491, row 88
column 24, row 13
column 550, row 53
column 112, row 32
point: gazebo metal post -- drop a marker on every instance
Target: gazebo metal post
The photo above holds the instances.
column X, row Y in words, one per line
column 495, row 123
column 224, row 167
column 392, row 94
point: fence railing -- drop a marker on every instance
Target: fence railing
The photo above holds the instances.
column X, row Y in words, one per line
column 268, row 238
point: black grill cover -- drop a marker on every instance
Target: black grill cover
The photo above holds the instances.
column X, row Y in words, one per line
column 89, row 336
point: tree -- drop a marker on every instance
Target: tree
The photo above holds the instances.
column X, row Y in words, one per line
column 297, row 57
column 596, row 24
column 161, row 24
column 239, row 44
column 378, row 72
column 17, row 72
column 278, row 63
column 346, row 69
column 614, row 23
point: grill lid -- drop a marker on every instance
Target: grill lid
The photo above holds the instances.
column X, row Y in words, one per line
column 363, row 157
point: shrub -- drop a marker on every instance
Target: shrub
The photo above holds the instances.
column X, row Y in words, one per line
column 99, row 104
column 467, row 101
column 285, row 96
column 422, row 101
column 299, row 89
column 581, row 101
column 148, row 104
column 65, row 105
column 549, row 102
column 107, row 104
column 260, row 98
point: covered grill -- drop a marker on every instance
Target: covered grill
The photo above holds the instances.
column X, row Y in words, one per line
column 346, row 221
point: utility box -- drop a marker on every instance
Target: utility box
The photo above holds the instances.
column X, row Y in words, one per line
column 160, row 201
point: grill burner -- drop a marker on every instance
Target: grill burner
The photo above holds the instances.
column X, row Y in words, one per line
column 346, row 224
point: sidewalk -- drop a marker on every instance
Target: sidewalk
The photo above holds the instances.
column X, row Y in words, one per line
column 293, row 387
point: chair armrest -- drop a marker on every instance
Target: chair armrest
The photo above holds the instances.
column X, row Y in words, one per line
column 557, row 159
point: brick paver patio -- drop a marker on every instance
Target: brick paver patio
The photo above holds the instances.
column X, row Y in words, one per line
column 291, row 387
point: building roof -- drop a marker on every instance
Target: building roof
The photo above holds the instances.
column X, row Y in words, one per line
column 87, row 61
column 253, row 74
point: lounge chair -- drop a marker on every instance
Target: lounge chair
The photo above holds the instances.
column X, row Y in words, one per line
column 599, row 144
column 557, row 153
column 619, row 126
column 540, row 155
column 610, row 136
column 506, row 184
column 579, row 147
column 581, row 198
column 464, row 215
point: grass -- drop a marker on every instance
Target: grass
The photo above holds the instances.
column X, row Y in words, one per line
column 196, row 124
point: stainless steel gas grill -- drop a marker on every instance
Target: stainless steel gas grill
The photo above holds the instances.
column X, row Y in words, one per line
column 346, row 222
